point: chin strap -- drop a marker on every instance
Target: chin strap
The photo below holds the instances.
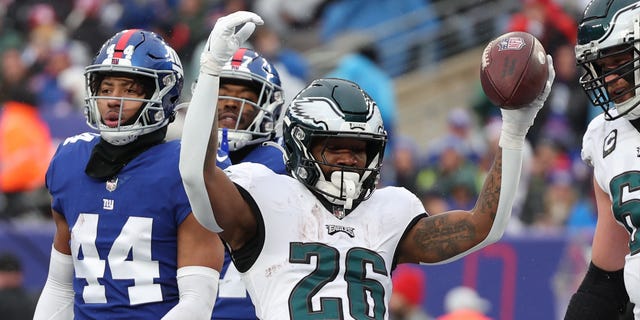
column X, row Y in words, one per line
column 343, row 185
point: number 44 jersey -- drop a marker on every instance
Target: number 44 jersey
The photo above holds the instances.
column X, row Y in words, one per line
column 123, row 230
column 312, row 265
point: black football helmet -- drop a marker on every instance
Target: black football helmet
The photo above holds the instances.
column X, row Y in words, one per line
column 609, row 28
column 330, row 108
column 145, row 56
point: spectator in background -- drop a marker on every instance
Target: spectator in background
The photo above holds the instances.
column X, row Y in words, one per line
column 434, row 201
column 363, row 68
column 460, row 132
column 549, row 159
column 266, row 40
column 564, row 208
column 57, row 94
column 25, row 143
column 403, row 165
column 84, row 23
column 144, row 14
column 10, row 37
column 555, row 29
column 408, row 294
column 291, row 65
column 547, row 21
column 464, row 303
column 569, row 109
column 452, row 173
column 286, row 15
column 16, row 303
column 405, row 25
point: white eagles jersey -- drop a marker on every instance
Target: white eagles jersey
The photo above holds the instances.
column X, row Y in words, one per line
column 613, row 149
column 314, row 265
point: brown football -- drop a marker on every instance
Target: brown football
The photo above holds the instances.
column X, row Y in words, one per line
column 513, row 71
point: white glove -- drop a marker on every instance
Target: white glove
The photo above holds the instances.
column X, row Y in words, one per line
column 516, row 123
column 224, row 41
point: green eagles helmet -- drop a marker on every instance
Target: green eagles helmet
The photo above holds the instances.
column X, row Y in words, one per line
column 609, row 28
column 334, row 108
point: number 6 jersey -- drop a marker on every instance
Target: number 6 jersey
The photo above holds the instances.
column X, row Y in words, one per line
column 312, row 265
column 123, row 231
column 613, row 149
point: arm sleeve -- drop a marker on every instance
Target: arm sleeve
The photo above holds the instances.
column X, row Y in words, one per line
column 198, row 287
column 195, row 138
column 601, row 295
column 56, row 299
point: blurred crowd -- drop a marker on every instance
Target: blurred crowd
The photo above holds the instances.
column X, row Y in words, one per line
column 44, row 46
column 555, row 191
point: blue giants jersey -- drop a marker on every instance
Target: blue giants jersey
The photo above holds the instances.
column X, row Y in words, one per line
column 123, row 231
column 233, row 301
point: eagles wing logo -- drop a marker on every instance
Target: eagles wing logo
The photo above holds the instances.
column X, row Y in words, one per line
column 315, row 113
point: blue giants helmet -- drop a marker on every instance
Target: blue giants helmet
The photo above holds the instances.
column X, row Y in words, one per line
column 144, row 56
column 248, row 68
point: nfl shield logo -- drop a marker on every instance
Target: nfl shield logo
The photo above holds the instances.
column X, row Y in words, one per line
column 511, row 43
column 112, row 184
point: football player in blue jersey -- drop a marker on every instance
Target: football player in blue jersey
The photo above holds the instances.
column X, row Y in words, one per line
column 321, row 242
column 127, row 245
column 249, row 108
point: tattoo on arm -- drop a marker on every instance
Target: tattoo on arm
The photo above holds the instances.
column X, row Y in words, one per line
column 441, row 236
column 490, row 193
column 446, row 235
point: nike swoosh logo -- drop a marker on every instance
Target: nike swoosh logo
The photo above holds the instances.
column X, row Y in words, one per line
column 221, row 159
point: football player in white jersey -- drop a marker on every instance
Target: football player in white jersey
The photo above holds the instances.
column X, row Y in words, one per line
column 608, row 50
column 320, row 243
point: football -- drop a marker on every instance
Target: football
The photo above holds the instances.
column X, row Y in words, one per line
column 513, row 71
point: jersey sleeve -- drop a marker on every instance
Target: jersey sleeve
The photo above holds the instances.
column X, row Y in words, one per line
column 588, row 143
column 245, row 173
column 591, row 145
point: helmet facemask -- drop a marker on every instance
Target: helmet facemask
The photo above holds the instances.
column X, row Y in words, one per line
column 144, row 57
column 149, row 117
column 341, row 185
column 595, row 82
column 610, row 30
column 248, row 68
column 266, row 114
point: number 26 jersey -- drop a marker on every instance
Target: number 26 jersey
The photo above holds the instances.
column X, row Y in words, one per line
column 314, row 265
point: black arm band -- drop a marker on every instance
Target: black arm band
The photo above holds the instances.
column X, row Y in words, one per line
column 601, row 295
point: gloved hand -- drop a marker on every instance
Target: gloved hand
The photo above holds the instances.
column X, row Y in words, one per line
column 224, row 41
column 516, row 122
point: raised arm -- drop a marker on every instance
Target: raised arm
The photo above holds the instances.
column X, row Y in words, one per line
column 199, row 136
column 451, row 235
